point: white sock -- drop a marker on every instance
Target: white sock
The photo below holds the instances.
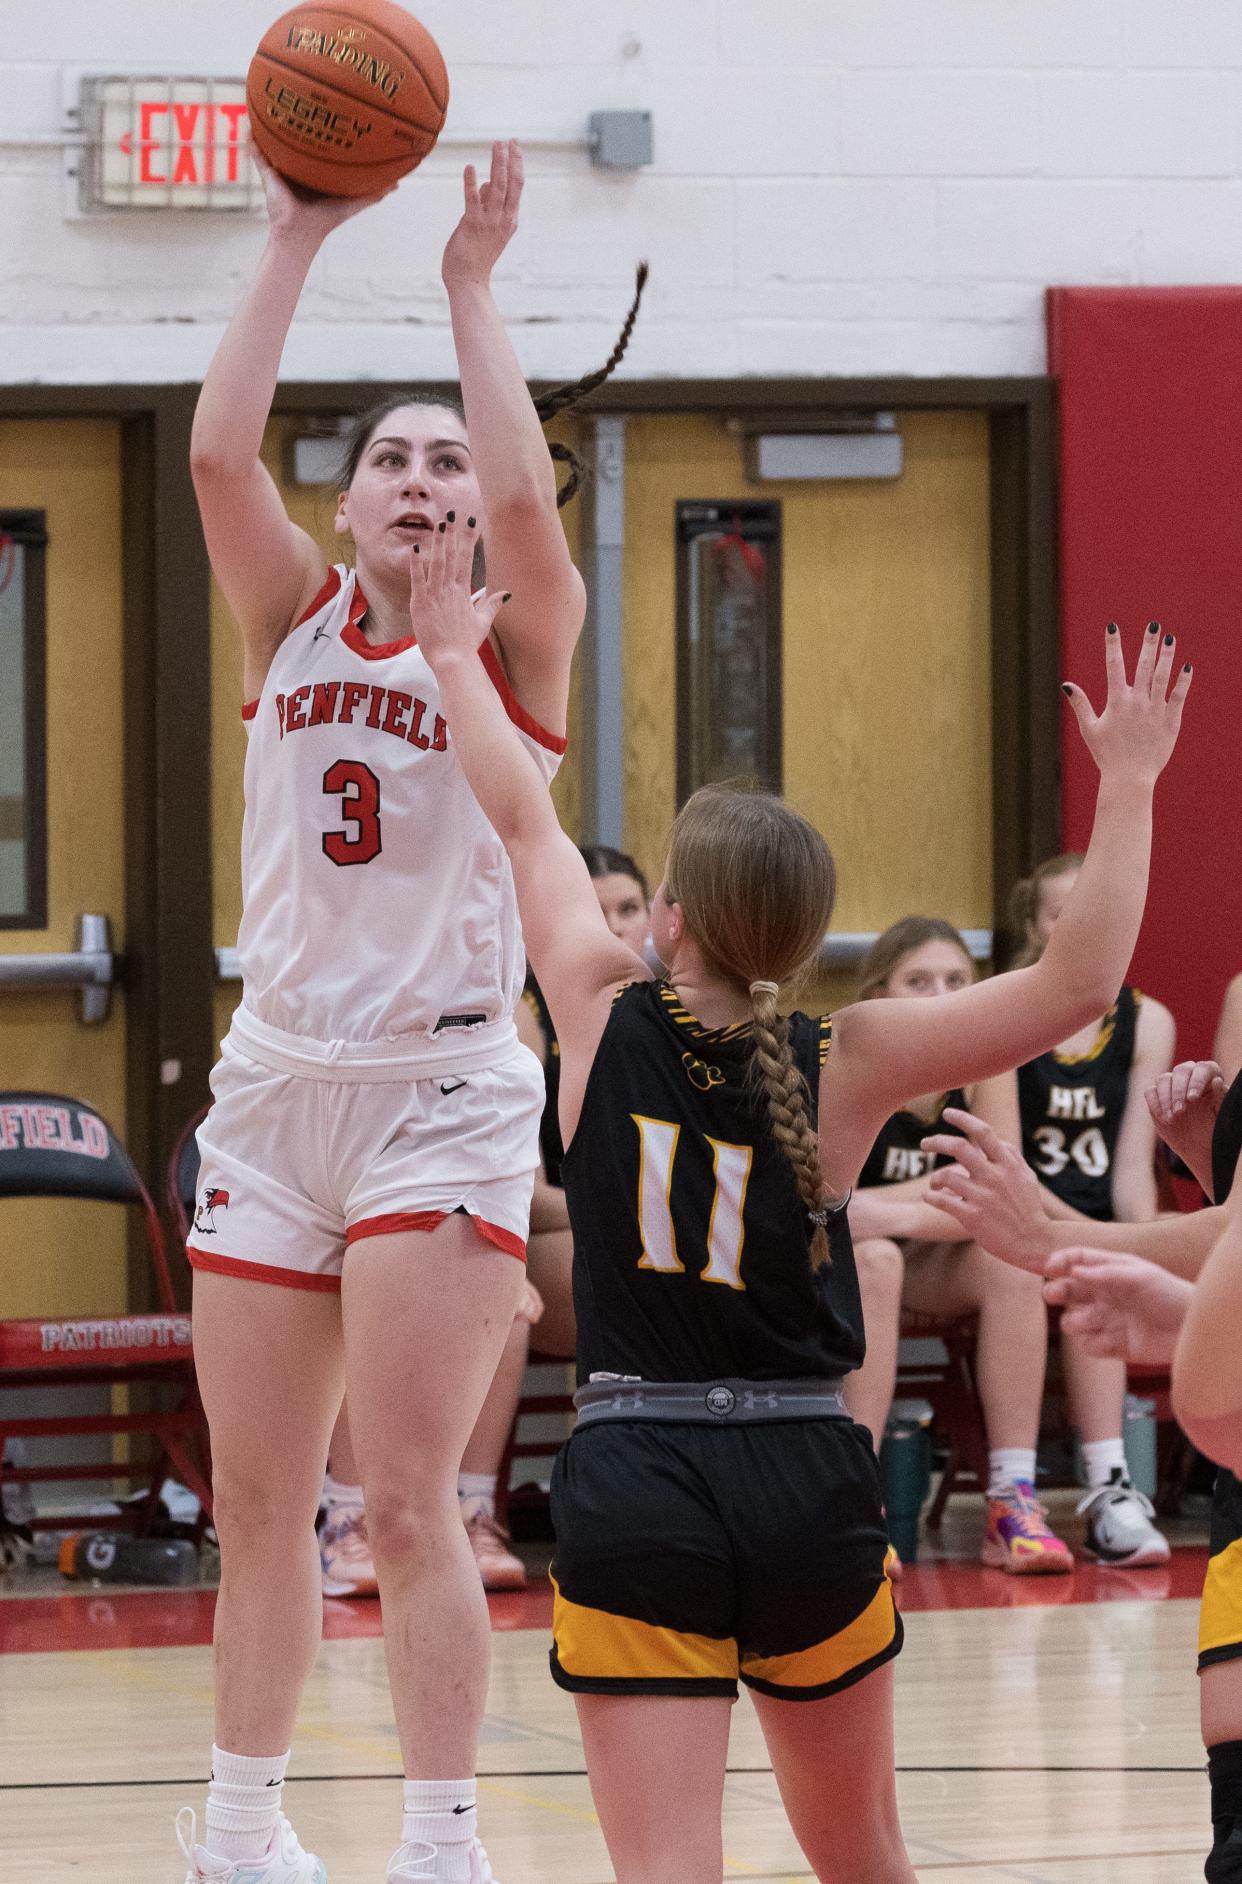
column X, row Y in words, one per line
column 1010, row 1465
column 1100, row 1459
column 476, row 1491
column 335, row 1494
column 243, row 1803
column 442, row 1812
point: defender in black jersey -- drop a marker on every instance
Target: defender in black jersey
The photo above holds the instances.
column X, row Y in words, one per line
column 898, row 1154
column 718, row 1514
column 1072, row 1106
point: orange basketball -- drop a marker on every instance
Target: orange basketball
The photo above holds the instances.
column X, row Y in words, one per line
column 346, row 98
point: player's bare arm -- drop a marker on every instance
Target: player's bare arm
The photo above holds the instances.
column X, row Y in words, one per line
column 268, row 569
column 526, row 550
column 884, row 1052
column 994, row 1195
column 1207, row 1376
column 578, row 960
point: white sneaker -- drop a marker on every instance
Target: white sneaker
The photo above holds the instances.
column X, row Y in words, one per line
column 1119, row 1525
column 285, row 1863
column 416, row 1864
column 345, row 1559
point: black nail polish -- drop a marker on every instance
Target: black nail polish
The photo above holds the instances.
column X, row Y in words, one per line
column 1153, row 627
column 442, row 528
column 1186, row 669
column 1066, row 687
column 469, row 523
column 1112, row 627
column 417, row 548
column 452, row 516
column 507, row 596
column 1168, row 641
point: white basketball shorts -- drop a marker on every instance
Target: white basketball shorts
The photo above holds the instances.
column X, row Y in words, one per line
column 308, row 1149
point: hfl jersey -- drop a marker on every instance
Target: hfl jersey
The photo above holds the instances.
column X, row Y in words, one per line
column 378, row 900
column 1227, row 1142
column 1072, row 1109
column 690, row 1239
column 898, row 1152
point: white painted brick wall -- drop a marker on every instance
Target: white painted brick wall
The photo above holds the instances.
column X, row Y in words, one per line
column 840, row 186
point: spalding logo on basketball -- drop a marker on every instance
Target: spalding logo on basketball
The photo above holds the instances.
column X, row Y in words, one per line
column 347, row 98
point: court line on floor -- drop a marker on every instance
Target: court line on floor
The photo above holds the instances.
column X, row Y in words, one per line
column 542, row 1772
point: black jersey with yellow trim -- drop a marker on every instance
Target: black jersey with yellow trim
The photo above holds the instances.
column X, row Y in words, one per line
column 1072, row 1106
column 551, row 1148
column 1220, row 1613
column 898, row 1151
column 691, row 1243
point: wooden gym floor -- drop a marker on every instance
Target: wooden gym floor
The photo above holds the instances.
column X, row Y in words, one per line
column 1046, row 1732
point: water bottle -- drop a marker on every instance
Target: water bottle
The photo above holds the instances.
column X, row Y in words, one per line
column 116, row 1557
column 905, row 1468
column 1139, row 1434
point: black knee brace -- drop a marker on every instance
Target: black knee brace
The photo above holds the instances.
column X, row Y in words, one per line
column 1224, row 1865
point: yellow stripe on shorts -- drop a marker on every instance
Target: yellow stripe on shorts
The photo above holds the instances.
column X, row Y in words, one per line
column 1220, row 1611
column 595, row 1645
column 860, row 1641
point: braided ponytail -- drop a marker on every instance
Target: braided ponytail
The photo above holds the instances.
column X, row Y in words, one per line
column 564, row 398
column 756, row 884
column 787, row 1111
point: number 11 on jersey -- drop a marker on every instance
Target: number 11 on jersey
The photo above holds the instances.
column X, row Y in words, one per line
column 726, row 1231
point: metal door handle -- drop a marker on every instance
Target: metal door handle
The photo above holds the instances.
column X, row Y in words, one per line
column 92, row 967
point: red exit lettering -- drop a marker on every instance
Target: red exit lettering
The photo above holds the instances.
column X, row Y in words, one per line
column 188, row 139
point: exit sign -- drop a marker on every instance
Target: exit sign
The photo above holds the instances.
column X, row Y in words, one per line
column 165, row 143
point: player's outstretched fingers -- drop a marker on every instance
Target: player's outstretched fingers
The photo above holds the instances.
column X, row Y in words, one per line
column 1164, row 667
column 1145, row 666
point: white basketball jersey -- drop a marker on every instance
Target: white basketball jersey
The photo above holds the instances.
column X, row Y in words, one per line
column 378, row 901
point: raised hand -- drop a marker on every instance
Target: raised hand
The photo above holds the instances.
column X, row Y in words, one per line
column 447, row 619
column 1120, row 1306
column 1183, row 1105
column 293, row 212
column 1137, row 731
column 489, row 219
column 990, row 1190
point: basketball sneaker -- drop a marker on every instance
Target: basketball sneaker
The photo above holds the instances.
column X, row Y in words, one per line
column 1120, row 1531
column 1017, row 1538
column 285, row 1863
column 498, row 1567
column 345, row 1553
column 417, row 1864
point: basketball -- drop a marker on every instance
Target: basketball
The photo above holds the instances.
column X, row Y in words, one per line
column 346, row 99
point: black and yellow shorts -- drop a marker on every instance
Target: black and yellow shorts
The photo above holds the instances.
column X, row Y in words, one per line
column 689, row 1556
column 1220, row 1612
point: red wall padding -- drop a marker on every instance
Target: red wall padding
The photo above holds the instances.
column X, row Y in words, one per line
column 1150, row 384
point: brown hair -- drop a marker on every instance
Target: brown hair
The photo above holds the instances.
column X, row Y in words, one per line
column 602, row 860
column 900, row 940
column 756, row 884
column 547, row 405
column 1024, row 904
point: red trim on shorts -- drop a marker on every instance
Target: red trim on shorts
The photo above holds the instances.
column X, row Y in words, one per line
column 250, row 709
column 394, row 1224
column 220, row 1265
column 525, row 721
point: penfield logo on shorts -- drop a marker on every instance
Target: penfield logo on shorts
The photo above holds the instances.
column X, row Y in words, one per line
column 205, row 1215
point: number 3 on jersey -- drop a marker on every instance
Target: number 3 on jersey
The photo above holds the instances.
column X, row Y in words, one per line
column 358, row 789
column 726, row 1231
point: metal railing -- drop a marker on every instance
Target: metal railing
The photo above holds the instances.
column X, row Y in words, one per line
column 91, row 966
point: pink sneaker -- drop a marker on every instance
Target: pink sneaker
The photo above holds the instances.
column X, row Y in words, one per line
column 1017, row 1538
column 345, row 1554
column 498, row 1567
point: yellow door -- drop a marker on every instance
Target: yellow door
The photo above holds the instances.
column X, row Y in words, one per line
column 886, row 660
column 63, row 1258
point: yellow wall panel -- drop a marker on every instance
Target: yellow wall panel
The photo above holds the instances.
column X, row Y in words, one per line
column 61, row 1257
column 886, row 660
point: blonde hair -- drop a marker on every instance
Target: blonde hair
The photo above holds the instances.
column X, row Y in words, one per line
column 898, row 941
column 1024, row 904
column 756, row 884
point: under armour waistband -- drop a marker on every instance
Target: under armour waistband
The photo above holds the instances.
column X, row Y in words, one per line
column 710, row 1402
column 370, row 1062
